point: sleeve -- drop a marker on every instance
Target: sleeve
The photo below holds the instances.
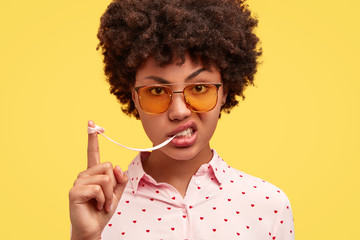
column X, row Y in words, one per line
column 284, row 225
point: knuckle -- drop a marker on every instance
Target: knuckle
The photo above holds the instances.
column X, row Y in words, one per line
column 106, row 179
column 72, row 194
column 108, row 165
column 93, row 149
column 76, row 182
column 97, row 189
column 80, row 175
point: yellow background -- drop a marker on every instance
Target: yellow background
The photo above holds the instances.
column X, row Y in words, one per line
column 298, row 128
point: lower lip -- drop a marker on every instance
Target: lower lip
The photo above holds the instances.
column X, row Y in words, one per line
column 184, row 141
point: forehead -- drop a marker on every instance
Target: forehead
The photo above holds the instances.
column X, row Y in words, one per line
column 174, row 73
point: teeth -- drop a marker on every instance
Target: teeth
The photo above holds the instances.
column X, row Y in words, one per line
column 185, row 133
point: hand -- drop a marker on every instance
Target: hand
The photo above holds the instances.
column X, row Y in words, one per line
column 95, row 194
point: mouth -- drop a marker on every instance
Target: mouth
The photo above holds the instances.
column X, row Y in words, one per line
column 185, row 135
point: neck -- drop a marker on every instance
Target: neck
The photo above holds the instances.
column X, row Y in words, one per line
column 177, row 173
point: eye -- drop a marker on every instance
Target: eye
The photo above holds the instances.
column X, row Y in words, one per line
column 199, row 89
column 156, row 90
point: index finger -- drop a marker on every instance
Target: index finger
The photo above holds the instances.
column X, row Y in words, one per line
column 93, row 154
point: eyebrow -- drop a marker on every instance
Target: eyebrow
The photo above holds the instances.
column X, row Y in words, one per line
column 191, row 76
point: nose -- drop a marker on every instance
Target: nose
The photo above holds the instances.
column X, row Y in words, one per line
column 178, row 109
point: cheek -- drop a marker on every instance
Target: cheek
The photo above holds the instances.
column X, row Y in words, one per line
column 151, row 125
column 148, row 127
column 210, row 120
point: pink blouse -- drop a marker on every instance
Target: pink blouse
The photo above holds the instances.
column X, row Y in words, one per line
column 220, row 203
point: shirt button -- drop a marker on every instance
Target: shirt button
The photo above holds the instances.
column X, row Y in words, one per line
column 197, row 182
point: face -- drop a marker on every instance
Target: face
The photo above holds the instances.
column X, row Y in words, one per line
column 178, row 117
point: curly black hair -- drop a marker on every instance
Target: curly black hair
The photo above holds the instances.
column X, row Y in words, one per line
column 218, row 33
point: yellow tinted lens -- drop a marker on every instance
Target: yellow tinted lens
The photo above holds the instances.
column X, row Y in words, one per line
column 201, row 97
column 154, row 99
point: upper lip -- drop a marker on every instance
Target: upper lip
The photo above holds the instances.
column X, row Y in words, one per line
column 183, row 127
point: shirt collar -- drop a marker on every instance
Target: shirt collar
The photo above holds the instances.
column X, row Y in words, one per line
column 136, row 171
column 217, row 167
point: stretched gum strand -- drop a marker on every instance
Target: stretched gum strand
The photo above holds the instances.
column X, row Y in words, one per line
column 98, row 128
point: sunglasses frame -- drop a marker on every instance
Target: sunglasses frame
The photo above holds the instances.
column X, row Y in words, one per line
column 217, row 85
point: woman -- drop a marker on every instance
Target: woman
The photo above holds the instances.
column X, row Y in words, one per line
column 176, row 65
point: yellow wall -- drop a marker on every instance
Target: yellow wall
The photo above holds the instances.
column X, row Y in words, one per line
column 299, row 128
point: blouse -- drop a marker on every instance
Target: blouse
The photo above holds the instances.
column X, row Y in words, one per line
column 220, row 203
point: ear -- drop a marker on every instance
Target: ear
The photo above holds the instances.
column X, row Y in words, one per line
column 133, row 95
column 224, row 96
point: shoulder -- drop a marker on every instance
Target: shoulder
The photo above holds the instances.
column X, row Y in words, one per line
column 257, row 190
column 240, row 181
column 258, row 201
column 247, row 185
column 267, row 202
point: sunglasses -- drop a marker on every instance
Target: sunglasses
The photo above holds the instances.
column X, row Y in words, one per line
column 198, row 97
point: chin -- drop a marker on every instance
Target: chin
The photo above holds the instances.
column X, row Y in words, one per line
column 182, row 153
